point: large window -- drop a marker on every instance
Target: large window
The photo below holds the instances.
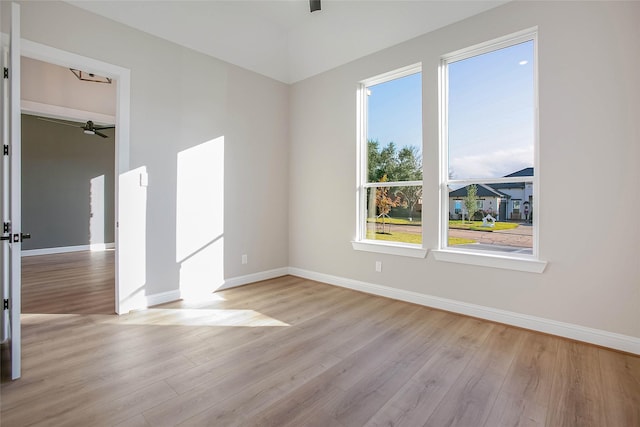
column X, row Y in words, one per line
column 390, row 187
column 488, row 143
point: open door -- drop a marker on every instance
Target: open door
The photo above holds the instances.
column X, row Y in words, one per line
column 11, row 198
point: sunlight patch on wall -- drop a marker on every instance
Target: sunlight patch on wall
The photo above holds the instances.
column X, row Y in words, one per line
column 132, row 233
column 200, row 218
column 96, row 216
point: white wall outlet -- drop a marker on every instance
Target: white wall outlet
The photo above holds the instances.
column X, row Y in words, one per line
column 378, row 266
column 244, row 259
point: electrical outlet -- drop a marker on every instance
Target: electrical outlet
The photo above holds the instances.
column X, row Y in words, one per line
column 378, row 266
column 244, row 259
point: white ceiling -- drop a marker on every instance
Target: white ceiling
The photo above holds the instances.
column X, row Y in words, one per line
column 281, row 38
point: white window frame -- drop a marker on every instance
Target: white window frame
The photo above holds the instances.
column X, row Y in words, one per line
column 520, row 262
column 361, row 242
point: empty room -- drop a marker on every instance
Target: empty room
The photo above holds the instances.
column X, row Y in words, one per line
column 321, row 213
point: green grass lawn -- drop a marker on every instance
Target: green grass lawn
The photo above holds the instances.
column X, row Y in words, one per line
column 414, row 238
column 477, row 225
column 397, row 221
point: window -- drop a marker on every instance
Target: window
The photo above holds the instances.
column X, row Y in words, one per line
column 390, row 155
column 488, row 144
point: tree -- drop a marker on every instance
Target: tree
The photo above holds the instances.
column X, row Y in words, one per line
column 402, row 165
column 470, row 201
column 384, row 203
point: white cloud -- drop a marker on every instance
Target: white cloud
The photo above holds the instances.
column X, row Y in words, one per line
column 494, row 164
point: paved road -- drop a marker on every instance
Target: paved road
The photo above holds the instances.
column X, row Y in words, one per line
column 521, row 236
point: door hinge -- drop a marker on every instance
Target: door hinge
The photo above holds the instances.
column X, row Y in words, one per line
column 5, row 150
column 6, row 304
column 6, row 73
column 6, row 227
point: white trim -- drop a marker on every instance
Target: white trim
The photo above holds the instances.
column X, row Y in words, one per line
column 100, row 247
column 64, row 113
column 162, row 298
column 568, row 330
column 122, row 75
column 96, row 247
column 491, row 45
column 390, row 248
column 393, row 75
column 446, row 253
column 362, row 100
column 254, row 277
column 171, row 296
column 487, row 259
column 393, row 184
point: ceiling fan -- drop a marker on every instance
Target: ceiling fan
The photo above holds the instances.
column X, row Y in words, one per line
column 88, row 128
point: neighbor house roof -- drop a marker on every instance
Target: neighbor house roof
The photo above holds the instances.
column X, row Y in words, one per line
column 483, row 191
column 520, row 173
column 493, row 190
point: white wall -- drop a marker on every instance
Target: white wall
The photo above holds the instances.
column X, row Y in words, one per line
column 190, row 112
column 589, row 57
column 54, row 85
column 589, row 136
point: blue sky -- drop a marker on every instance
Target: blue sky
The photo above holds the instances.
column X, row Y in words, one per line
column 395, row 112
column 491, row 113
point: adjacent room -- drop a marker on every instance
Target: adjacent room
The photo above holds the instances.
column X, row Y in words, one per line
column 321, row 213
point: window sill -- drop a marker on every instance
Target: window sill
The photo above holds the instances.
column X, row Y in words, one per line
column 414, row 251
column 527, row 264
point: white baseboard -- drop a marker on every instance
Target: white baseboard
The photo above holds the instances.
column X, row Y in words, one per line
column 568, row 330
column 255, row 277
column 163, row 297
column 65, row 249
column 170, row 296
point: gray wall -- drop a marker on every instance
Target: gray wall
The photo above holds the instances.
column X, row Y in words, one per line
column 589, row 56
column 58, row 164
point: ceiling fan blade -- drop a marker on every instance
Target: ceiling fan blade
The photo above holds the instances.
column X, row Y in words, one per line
column 100, row 134
column 104, row 127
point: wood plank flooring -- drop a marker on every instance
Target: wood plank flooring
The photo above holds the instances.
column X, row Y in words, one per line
column 293, row 352
column 75, row 282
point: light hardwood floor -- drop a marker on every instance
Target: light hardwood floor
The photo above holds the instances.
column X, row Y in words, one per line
column 293, row 352
column 72, row 283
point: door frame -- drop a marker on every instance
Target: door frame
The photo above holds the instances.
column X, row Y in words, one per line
column 122, row 75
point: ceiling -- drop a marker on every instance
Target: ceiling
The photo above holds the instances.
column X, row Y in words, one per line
column 281, row 38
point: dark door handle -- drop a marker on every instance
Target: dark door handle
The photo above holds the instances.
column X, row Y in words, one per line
column 16, row 237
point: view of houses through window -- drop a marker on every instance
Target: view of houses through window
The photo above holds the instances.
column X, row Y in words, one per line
column 488, row 139
column 489, row 127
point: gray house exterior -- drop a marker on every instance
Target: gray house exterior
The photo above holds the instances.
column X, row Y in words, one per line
column 512, row 201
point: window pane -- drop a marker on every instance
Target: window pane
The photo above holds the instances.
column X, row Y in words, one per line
column 491, row 113
column 504, row 224
column 394, row 129
column 394, row 214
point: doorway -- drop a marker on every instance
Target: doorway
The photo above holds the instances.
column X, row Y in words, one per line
column 121, row 76
column 68, row 202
